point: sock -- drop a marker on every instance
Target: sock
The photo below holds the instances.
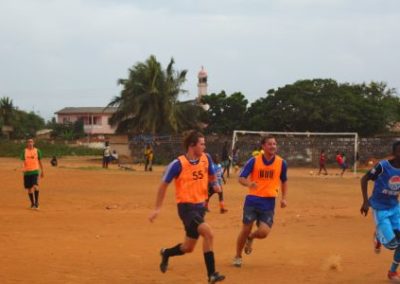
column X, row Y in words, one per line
column 210, row 262
column 176, row 250
column 221, row 196
column 37, row 197
column 31, row 198
column 221, row 204
column 396, row 260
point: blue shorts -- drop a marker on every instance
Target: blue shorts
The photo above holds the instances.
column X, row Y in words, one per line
column 386, row 222
column 251, row 214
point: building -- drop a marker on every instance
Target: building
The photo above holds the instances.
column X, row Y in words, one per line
column 95, row 119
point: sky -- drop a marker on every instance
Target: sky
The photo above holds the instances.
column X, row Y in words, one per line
column 70, row 53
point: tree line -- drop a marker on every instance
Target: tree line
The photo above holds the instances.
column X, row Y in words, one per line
column 149, row 104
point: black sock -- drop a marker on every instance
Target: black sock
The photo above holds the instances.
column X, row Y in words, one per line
column 37, row 197
column 210, row 262
column 176, row 250
column 31, row 198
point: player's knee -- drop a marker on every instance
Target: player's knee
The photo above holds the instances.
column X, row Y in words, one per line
column 392, row 245
column 263, row 234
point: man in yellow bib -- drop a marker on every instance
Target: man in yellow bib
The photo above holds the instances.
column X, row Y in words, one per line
column 264, row 175
column 192, row 173
column 31, row 168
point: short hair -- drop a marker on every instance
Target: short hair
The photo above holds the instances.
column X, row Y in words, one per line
column 395, row 145
column 192, row 138
column 265, row 138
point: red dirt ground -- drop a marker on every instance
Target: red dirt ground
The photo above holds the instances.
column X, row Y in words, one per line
column 320, row 238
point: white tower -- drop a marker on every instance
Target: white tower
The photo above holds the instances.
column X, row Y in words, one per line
column 202, row 85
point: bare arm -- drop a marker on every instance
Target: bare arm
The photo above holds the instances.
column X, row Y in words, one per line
column 246, row 182
column 364, row 191
column 214, row 181
column 162, row 189
column 41, row 168
column 284, row 194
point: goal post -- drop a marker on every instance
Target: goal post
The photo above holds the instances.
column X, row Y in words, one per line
column 302, row 148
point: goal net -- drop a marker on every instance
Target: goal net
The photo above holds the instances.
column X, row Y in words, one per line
column 302, row 148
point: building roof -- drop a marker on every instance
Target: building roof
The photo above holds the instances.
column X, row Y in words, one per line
column 86, row 110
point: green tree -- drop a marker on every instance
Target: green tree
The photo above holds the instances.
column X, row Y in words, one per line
column 326, row 106
column 26, row 124
column 6, row 110
column 148, row 102
column 225, row 113
column 6, row 115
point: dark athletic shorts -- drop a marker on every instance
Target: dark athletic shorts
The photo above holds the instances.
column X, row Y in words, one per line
column 192, row 215
column 30, row 181
column 251, row 214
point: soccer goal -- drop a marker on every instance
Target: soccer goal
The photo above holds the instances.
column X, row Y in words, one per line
column 302, row 148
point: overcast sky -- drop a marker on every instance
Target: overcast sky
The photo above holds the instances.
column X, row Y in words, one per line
column 58, row 53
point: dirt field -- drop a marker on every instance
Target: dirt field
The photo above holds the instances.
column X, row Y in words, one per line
column 320, row 238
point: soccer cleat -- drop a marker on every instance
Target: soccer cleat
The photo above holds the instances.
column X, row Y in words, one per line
column 237, row 261
column 393, row 276
column 248, row 246
column 215, row 277
column 223, row 210
column 377, row 245
column 164, row 261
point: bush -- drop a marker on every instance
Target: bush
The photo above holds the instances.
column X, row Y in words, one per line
column 14, row 149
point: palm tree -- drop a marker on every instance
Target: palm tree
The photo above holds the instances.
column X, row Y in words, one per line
column 6, row 114
column 148, row 102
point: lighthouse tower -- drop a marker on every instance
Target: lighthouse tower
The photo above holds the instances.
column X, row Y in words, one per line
column 202, row 85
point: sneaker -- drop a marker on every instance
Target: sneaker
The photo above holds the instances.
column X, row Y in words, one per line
column 223, row 210
column 377, row 245
column 37, row 205
column 237, row 261
column 164, row 261
column 393, row 276
column 215, row 277
column 33, row 206
column 248, row 246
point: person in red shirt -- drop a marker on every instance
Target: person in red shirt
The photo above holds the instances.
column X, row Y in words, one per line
column 322, row 162
column 341, row 162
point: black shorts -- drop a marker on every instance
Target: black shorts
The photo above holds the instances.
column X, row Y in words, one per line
column 30, row 181
column 192, row 215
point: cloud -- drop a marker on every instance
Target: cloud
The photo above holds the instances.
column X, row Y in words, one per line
column 57, row 53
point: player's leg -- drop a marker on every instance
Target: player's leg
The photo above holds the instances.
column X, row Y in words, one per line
column 387, row 236
column 249, row 216
column 265, row 219
column 395, row 223
column 210, row 193
column 36, row 189
column 205, row 231
column 240, row 243
column 191, row 218
column 222, row 209
column 28, row 185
